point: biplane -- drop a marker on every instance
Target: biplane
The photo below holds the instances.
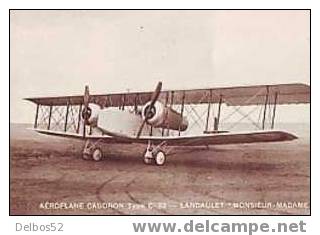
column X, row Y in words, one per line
column 161, row 119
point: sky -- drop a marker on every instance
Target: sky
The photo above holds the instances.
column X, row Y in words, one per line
column 56, row 53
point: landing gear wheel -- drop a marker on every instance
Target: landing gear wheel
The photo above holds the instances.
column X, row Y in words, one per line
column 86, row 156
column 160, row 158
column 147, row 157
column 97, row 154
column 147, row 160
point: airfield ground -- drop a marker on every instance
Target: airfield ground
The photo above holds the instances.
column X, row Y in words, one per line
column 272, row 178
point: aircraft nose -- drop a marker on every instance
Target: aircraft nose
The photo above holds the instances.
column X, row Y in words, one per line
column 93, row 120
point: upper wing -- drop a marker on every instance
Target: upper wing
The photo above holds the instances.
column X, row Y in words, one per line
column 235, row 96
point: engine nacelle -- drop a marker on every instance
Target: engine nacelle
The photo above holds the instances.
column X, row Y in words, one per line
column 164, row 117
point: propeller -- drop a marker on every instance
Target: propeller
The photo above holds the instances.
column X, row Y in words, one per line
column 86, row 112
column 150, row 109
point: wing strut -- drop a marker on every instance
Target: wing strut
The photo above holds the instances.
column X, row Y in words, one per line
column 165, row 105
column 86, row 113
column 217, row 119
column 50, row 114
column 66, row 117
column 36, row 118
column 79, row 118
column 171, row 103
column 274, row 109
column 182, row 107
column 208, row 112
column 265, row 108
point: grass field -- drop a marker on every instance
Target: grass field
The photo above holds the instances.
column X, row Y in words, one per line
column 229, row 179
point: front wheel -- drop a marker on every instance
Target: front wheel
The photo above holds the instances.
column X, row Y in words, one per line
column 147, row 161
column 86, row 156
column 147, row 157
column 160, row 158
column 97, row 155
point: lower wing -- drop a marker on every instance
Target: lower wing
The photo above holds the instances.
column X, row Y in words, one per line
column 103, row 138
column 196, row 140
column 219, row 139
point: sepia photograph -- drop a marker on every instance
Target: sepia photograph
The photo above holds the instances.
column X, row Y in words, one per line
column 160, row 112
